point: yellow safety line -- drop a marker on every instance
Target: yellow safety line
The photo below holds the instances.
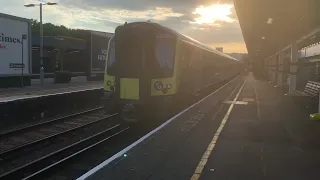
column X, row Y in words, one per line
column 257, row 100
column 207, row 153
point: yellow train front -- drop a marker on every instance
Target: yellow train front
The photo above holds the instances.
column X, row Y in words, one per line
column 153, row 67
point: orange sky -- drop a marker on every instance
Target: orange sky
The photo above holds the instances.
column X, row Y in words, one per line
column 213, row 22
column 231, row 47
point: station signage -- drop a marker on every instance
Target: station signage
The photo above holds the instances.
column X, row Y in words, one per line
column 99, row 47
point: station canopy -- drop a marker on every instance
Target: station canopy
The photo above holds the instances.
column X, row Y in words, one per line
column 268, row 26
column 59, row 42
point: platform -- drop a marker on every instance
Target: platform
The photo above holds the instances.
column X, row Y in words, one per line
column 35, row 90
column 246, row 130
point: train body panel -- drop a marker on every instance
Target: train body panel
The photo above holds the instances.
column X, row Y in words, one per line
column 200, row 68
column 129, row 88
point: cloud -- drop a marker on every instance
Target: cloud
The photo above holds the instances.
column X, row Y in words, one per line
column 211, row 33
column 106, row 15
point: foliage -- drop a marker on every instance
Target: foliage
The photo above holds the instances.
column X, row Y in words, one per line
column 50, row 29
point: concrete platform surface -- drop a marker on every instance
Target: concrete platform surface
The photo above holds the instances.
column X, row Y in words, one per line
column 246, row 130
column 35, row 90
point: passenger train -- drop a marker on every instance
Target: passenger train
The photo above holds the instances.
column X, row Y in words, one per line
column 151, row 66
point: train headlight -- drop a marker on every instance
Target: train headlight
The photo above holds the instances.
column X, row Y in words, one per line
column 158, row 85
column 169, row 86
column 109, row 83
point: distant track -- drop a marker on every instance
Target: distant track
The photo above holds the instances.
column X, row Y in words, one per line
column 27, row 127
column 28, row 136
column 36, row 141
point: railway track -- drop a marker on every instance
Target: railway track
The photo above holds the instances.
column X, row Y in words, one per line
column 39, row 168
column 28, row 147
column 29, row 135
column 34, row 125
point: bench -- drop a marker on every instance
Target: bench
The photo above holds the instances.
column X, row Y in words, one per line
column 311, row 90
column 287, row 83
column 309, row 96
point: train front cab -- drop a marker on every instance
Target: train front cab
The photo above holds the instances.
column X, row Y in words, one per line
column 149, row 85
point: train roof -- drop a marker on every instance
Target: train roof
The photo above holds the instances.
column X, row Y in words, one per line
column 187, row 38
column 207, row 47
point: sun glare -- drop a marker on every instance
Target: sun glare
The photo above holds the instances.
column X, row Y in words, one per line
column 211, row 14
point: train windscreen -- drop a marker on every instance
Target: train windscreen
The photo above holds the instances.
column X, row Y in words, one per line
column 165, row 54
column 141, row 52
column 129, row 53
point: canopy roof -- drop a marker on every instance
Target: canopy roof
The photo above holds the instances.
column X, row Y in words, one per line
column 270, row 25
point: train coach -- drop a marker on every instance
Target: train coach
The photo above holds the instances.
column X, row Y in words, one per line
column 152, row 67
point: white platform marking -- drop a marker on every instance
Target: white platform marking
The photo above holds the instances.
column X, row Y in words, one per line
column 236, row 102
column 119, row 154
column 248, row 99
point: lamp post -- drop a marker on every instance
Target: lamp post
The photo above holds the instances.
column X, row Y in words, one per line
column 41, row 37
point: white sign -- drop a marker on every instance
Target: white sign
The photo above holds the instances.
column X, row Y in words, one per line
column 11, row 32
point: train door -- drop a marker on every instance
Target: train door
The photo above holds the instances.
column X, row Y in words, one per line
column 129, row 63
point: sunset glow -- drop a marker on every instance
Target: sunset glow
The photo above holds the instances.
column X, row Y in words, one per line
column 211, row 14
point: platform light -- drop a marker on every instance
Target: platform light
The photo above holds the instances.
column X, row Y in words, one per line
column 51, row 4
column 269, row 21
column 29, row 5
column 263, row 38
column 312, row 37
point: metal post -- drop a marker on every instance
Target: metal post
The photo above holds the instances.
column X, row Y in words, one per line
column 293, row 68
column 61, row 61
column 280, row 69
column 22, row 67
column 274, row 69
column 319, row 103
column 270, row 70
column 41, row 48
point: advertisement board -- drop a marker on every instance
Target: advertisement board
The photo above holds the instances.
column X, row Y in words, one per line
column 15, row 43
column 99, row 47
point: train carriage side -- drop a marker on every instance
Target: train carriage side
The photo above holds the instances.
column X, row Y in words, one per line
column 200, row 66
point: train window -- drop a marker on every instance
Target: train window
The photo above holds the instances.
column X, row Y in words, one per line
column 184, row 55
column 165, row 52
column 192, row 56
column 128, row 53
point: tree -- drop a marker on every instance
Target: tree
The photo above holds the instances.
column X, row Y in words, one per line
column 50, row 29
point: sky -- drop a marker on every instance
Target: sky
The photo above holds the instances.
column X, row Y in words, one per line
column 212, row 22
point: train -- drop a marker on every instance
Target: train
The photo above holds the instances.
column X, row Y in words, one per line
column 153, row 68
